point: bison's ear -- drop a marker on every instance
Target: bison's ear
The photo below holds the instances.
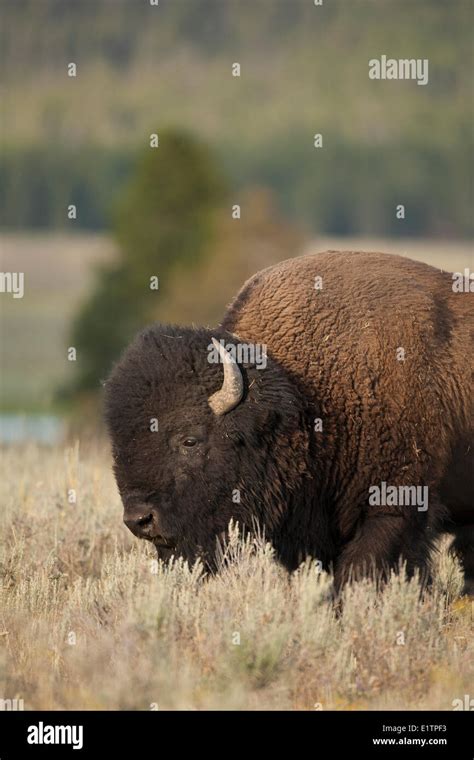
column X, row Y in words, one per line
column 227, row 397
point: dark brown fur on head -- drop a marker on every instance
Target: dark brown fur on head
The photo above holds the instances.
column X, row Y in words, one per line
column 244, row 465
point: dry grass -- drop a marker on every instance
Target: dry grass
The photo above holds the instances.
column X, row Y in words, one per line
column 169, row 638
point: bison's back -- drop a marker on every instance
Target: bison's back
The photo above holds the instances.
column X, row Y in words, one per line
column 380, row 345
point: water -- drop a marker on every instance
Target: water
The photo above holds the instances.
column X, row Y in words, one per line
column 40, row 428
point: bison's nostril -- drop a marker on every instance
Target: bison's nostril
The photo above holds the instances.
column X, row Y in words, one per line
column 145, row 520
column 141, row 523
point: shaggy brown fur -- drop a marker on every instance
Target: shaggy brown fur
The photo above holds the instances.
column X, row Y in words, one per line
column 403, row 422
column 380, row 354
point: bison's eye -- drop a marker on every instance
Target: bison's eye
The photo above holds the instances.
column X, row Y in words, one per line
column 189, row 441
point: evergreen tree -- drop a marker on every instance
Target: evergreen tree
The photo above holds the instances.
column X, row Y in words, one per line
column 165, row 219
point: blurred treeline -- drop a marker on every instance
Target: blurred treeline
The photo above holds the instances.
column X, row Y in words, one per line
column 181, row 253
column 304, row 71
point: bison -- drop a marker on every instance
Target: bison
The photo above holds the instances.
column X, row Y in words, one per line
column 347, row 438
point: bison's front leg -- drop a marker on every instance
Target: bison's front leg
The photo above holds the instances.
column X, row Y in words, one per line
column 463, row 548
column 378, row 545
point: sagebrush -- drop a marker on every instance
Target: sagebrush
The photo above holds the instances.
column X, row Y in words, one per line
column 90, row 620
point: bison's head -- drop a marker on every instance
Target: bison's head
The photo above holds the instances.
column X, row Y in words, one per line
column 201, row 435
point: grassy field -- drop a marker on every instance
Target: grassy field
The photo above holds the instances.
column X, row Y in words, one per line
column 35, row 330
column 90, row 621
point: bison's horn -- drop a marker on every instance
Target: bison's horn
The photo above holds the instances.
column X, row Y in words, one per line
column 227, row 397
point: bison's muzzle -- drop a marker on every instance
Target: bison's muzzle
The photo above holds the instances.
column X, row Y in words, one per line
column 142, row 520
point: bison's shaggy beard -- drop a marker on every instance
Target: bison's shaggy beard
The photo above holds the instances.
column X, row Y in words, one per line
column 221, row 551
column 182, row 548
column 208, row 553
